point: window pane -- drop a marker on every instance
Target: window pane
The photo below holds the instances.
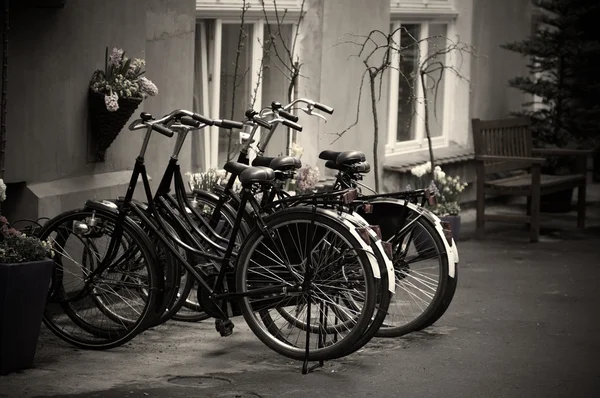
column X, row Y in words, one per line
column 409, row 62
column 235, row 83
column 276, row 42
column 436, row 78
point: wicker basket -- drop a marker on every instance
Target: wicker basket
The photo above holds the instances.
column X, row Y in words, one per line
column 107, row 125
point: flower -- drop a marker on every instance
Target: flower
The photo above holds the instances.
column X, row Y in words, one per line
column 447, row 189
column 307, row 178
column 115, row 56
column 16, row 247
column 122, row 77
column 112, row 102
column 2, row 191
column 296, row 150
column 206, row 181
column 148, row 87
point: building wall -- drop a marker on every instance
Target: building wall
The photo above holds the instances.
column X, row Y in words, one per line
column 484, row 92
column 496, row 23
column 335, row 80
column 52, row 54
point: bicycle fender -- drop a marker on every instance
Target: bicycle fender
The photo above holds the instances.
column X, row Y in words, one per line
column 437, row 223
column 364, row 246
column 388, row 263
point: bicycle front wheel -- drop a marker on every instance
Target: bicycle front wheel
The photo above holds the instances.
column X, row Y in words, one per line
column 324, row 319
column 110, row 309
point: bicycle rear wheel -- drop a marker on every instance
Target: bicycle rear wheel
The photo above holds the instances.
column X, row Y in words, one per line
column 119, row 303
column 319, row 316
column 423, row 283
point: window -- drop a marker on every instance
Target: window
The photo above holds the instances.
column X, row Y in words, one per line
column 421, row 49
column 233, row 76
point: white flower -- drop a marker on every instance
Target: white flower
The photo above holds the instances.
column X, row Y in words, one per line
column 148, row 87
column 2, row 190
column 112, row 102
column 296, row 150
column 439, row 173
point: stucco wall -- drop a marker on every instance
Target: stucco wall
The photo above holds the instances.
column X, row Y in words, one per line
column 52, row 55
column 340, row 76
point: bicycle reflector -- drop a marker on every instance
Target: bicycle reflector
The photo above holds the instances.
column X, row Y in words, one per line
column 431, row 198
column 376, row 229
column 447, row 229
column 387, row 247
column 349, row 196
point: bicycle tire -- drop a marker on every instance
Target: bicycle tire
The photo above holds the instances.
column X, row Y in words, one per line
column 97, row 336
column 276, row 341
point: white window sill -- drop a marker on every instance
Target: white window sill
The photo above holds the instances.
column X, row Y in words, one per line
column 444, row 155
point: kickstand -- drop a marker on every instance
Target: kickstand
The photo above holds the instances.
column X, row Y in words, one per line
column 305, row 368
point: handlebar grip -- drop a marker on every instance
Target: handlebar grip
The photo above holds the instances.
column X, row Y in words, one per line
column 324, row 108
column 202, row 119
column 229, row 124
column 292, row 125
column 261, row 122
column 163, row 130
column 188, row 121
column 288, row 115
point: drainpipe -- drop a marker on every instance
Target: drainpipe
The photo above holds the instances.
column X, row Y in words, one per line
column 4, row 84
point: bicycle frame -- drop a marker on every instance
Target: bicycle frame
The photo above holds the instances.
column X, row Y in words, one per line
column 193, row 233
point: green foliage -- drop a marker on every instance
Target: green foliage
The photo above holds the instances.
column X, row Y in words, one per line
column 562, row 74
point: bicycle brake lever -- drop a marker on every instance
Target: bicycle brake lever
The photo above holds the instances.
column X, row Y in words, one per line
column 308, row 111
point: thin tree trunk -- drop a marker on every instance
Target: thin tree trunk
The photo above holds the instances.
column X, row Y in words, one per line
column 427, row 131
column 372, row 77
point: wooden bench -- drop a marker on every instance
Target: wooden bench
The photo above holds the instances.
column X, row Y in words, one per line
column 504, row 146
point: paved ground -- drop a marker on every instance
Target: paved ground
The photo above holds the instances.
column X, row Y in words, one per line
column 523, row 324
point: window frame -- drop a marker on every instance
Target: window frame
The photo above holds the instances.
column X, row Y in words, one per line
column 424, row 13
column 211, row 45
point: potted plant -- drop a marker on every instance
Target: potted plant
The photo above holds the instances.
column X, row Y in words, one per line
column 114, row 94
column 448, row 192
column 25, row 276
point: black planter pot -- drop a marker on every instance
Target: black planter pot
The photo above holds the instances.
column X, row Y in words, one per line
column 23, row 290
column 557, row 202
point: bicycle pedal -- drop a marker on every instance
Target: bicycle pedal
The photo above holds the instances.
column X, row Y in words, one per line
column 224, row 327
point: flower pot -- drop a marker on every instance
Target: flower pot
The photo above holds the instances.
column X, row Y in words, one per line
column 107, row 125
column 557, row 202
column 454, row 221
column 23, row 290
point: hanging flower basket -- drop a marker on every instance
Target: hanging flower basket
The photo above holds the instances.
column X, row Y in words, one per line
column 114, row 95
column 106, row 125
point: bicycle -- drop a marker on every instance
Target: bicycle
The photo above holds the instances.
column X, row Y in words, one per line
column 428, row 234
column 227, row 293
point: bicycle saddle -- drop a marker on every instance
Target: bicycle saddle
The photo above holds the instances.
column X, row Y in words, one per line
column 235, row 168
column 361, row 167
column 256, row 174
column 346, row 158
column 281, row 163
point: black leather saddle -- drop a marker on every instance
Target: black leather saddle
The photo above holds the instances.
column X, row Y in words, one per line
column 250, row 174
column 280, row 163
column 343, row 158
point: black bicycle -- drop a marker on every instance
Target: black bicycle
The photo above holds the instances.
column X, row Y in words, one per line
column 424, row 253
column 304, row 262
